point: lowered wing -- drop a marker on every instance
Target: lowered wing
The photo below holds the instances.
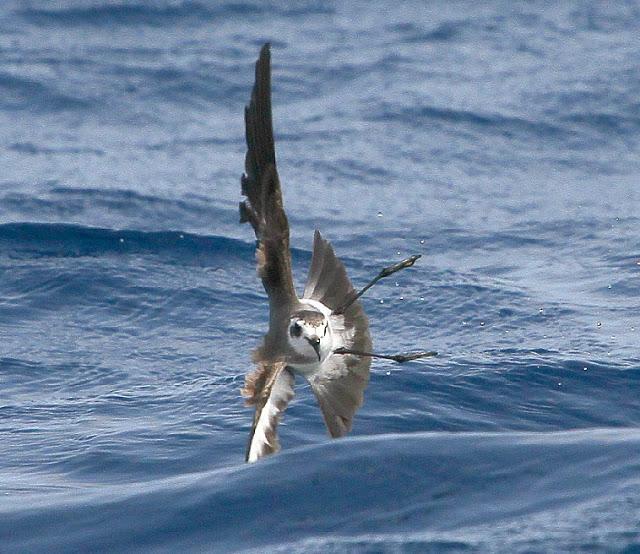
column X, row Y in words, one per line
column 270, row 389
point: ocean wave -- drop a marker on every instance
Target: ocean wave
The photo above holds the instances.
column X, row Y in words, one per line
column 27, row 93
column 414, row 491
column 86, row 206
column 69, row 240
column 496, row 140
column 443, row 32
column 130, row 13
column 509, row 126
column 161, row 13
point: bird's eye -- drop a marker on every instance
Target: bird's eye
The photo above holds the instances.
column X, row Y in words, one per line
column 295, row 330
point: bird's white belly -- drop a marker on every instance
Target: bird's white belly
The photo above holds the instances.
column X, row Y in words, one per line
column 306, row 370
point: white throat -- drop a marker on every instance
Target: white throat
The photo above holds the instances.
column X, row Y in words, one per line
column 302, row 344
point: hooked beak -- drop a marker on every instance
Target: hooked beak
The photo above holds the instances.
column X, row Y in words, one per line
column 315, row 343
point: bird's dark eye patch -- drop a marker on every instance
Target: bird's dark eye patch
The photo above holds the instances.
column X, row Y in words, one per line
column 295, row 330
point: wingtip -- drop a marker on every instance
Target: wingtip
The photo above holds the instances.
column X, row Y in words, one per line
column 265, row 52
column 263, row 66
column 318, row 238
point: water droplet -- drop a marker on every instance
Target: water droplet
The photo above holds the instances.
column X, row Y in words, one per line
column 397, row 284
column 422, row 242
column 633, row 328
column 422, row 298
column 181, row 236
column 402, row 298
column 379, row 214
column 381, row 301
column 541, row 311
column 482, row 324
column 121, row 240
column 599, row 324
column 559, row 384
column 608, row 286
column 584, row 369
column 464, row 323
column 388, row 373
column 398, row 253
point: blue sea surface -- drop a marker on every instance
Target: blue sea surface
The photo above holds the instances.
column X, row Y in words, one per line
column 499, row 140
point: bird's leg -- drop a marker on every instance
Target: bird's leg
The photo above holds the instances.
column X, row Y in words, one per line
column 351, row 298
column 400, row 358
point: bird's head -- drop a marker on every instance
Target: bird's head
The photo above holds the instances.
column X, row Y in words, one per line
column 310, row 335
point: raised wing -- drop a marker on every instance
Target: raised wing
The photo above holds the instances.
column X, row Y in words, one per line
column 263, row 207
column 270, row 388
column 327, row 281
column 340, row 383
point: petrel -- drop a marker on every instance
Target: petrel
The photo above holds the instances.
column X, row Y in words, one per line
column 323, row 336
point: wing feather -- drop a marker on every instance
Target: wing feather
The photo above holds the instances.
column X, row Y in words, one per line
column 263, row 207
column 339, row 389
column 339, row 385
column 271, row 401
column 327, row 281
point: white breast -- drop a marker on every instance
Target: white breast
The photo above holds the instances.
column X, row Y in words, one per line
column 337, row 337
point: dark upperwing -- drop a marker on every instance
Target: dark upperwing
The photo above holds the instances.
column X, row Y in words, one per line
column 263, row 207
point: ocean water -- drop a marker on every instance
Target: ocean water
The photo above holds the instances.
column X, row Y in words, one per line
column 499, row 140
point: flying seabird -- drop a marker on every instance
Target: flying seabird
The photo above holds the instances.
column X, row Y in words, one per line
column 323, row 336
